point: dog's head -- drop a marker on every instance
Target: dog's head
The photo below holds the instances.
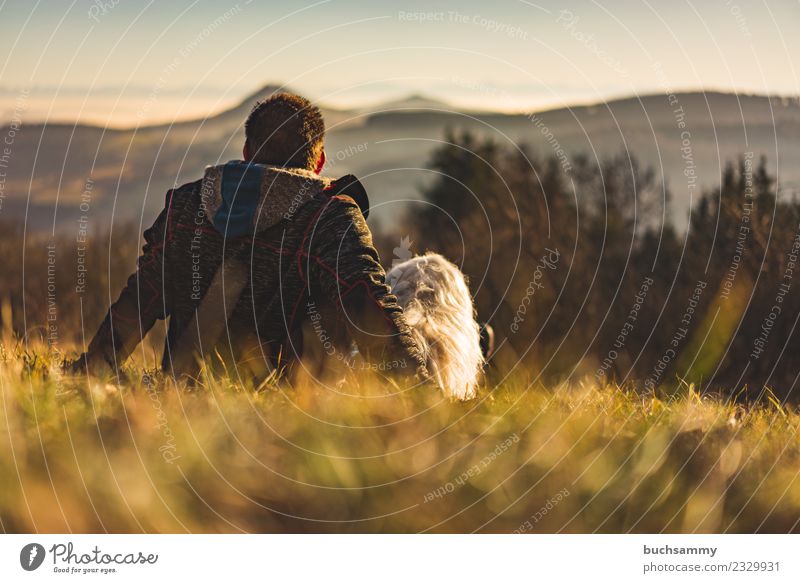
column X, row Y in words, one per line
column 438, row 307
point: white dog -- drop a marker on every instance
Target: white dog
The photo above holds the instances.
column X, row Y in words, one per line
column 438, row 308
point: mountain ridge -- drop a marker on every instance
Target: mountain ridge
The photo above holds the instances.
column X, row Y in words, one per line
column 390, row 148
column 419, row 101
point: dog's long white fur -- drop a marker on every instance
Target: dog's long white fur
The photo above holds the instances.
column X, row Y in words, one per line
column 438, row 307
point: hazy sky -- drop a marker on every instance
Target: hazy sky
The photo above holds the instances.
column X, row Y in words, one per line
column 125, row 61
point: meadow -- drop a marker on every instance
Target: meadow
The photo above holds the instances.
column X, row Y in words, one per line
column 142, row 454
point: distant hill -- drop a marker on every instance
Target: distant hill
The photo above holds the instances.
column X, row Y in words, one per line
column 387, row 146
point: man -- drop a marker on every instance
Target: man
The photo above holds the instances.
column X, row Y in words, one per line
column 240, row 259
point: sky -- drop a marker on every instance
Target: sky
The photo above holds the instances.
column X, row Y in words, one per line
column 134, row 62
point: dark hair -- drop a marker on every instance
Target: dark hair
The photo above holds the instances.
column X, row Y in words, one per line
column 285, row 130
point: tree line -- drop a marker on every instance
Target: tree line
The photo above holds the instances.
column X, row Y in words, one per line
column 582, row 271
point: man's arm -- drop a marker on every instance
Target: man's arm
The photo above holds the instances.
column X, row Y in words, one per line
column 139, row 305
column 341, row 265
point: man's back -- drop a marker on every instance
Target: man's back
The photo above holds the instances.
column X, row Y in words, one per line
column 239, row 259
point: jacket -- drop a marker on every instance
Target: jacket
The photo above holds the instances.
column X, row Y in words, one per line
column 240, row 259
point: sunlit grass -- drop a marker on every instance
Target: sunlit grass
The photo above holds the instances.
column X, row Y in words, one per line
column 79, row 455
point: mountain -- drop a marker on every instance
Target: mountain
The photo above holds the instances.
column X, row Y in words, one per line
column 410, row 103
column 58, row 173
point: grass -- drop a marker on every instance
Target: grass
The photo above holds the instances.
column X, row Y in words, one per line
column 85, row 456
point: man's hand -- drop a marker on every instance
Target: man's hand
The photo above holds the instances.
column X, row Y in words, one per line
column 87, row 364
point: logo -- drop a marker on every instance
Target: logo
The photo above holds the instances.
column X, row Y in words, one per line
column 31, row 556
column 401, row 255
column 403, row 252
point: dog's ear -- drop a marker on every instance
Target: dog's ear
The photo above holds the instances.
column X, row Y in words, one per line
column 487, row 340
column 349, row 185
